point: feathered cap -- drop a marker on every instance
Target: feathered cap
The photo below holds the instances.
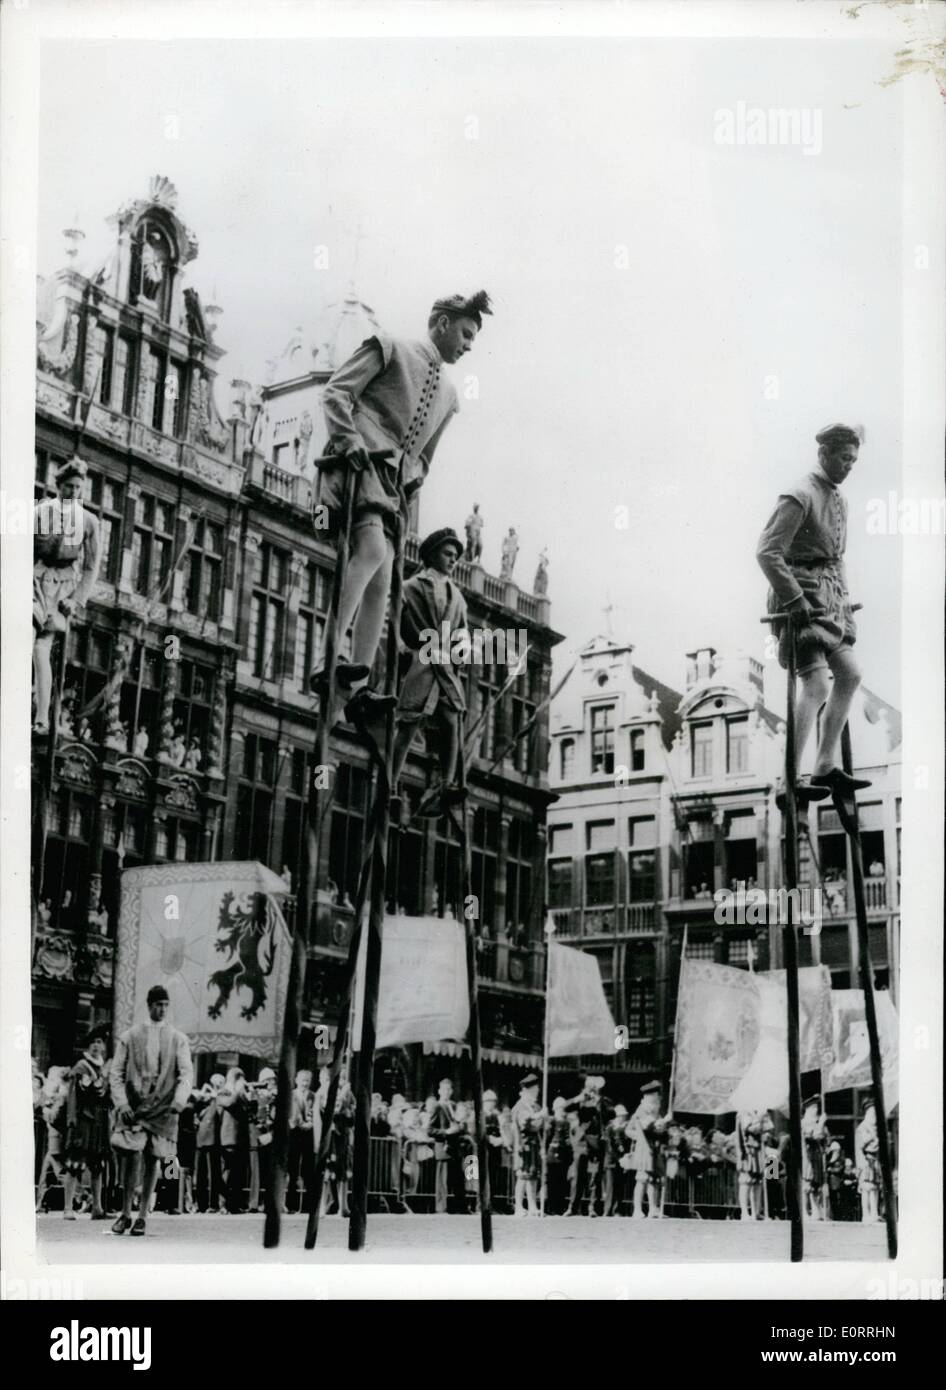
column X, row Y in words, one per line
column 461, row 306
column 73, row 468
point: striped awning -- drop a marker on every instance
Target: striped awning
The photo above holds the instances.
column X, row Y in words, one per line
column 488, row 1054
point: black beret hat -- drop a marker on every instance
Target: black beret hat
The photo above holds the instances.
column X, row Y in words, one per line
column 432, row 543
column 156, row 993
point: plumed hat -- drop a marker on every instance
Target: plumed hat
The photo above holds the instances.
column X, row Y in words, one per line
column 72, row 468
column 463, row 306
column 432, row 543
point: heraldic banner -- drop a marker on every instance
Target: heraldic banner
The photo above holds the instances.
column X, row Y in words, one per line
column 214, row 935
column 422, row 993
column 732, row 1036
column 851, row 1047
column 579, row 1019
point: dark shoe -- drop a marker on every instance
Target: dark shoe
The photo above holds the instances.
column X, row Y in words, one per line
column 100, row 1216
column 138, row 1229
column 805, row 793
column 346, row 673
column 120, row 1226
column 365, row 706
column 839, row 783
column 454, row 796
column 431, row 805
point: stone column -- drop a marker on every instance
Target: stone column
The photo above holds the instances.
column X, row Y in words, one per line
column 133, row 492
column 177, row 595
column 719, row 849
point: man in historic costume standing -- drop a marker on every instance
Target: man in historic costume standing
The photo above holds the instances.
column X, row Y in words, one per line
column 446, row 1131
column 151, row 1079
column 66, row 557
column 590, row 1108
column 801, row 552
column 433, row 613
column 390, row 395
column 814, row 1133
column 645, row 1129
column 87, row 1126
column 750, row 1163
column 867, row 1161
column 495, row 1145
column 528, row 1119
column 617, row 1147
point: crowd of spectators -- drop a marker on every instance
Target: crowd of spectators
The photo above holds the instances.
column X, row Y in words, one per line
column 576, row 1158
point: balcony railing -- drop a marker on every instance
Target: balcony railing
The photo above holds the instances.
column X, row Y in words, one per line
column 279, row 483
column 572, row 922
column 522, row 967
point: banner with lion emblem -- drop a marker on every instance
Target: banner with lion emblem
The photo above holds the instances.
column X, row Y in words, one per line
column 214, row 935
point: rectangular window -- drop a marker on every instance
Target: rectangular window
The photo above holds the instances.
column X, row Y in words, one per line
column 561, row 840
column 560, row 883
column 157, row 377
column 106, row 500
column 701, row 736
column 204, row 567
column 737, row 745
column 347, row 832
column 602, row 739
column 599, row 880
column 105, row 346
column 637, row 750
column 193, row 707
column 642, row 877
column 152, row 544
column 567, row 753
column 122, row 394
column 641, row 999
column 255, row 797
column 177, row 392
column 310, row 623
column 601, row 835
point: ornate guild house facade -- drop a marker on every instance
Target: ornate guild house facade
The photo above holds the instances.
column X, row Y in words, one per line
column 185, row 732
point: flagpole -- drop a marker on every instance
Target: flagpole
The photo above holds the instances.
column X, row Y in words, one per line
column 546, row 1042
column 673, row 1055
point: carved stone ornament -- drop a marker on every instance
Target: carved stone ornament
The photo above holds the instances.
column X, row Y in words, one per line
column 55, row 957
column 182, row 794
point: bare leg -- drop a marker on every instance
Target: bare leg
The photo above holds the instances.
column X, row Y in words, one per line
column 97, row 1208
column 69, row 1195
column 43, row 677
column 815, row 689
column 519, row 1208
column 374, row 604
column 847, row 677
column 149, row 1182
column 129, row 1166
column 640, row 1187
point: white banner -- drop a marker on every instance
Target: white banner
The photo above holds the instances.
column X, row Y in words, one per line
column 851, row 1064
column 215, row 937
column 579, row 1019
column 422, row 993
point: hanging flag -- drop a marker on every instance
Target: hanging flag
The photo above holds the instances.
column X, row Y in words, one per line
column 814, row 1014
column 579, row 1019
column 422, row 991
column 214, row 935
column 716, row 1036
column 850, row 1065
column 732, row 1035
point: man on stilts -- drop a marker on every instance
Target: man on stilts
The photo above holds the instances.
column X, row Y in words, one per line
column 801, row 552
column 433, row 615
column 391, row 395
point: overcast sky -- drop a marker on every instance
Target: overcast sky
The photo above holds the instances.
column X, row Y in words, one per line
column 674, row 318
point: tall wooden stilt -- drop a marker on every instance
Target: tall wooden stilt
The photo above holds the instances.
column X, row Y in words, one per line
column 358, row 1198
column 847, row 810
column 318, row 802
column 461, row 819
column 790, row 820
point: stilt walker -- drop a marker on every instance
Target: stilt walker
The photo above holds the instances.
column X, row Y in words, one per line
column 846, row 807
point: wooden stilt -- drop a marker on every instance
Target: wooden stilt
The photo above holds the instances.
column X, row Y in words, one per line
column 790, row 821
column 461, row 819
column 358, row 1198
column 318, row 802
column 847, row 811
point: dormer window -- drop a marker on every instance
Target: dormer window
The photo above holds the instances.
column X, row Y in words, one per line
column 602, row 739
